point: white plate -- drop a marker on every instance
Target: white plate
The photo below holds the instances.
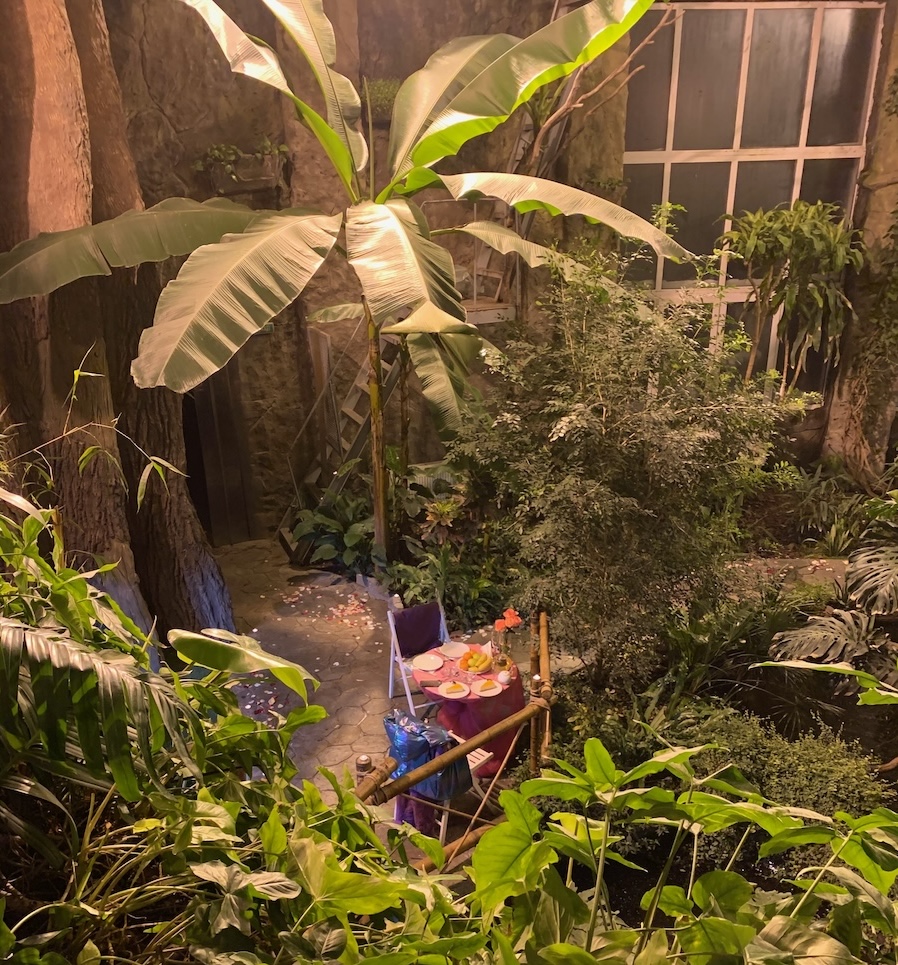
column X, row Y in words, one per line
column 427, row 661
column 453, row 649
column 491, row 691
column 454, row 694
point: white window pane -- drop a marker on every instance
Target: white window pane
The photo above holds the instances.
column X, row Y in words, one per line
column 710, row 61
column 843, row 69
column 761, row 185
column 644, row 183
column 830, row 179
column 648, row 93
column 702, row 190
column 777, row 78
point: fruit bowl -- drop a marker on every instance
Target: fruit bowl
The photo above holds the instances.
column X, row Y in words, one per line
column 475, row 661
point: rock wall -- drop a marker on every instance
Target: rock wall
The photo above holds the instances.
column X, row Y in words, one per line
column 181, row 98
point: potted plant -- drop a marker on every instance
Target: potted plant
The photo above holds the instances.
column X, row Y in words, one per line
column 233, row 171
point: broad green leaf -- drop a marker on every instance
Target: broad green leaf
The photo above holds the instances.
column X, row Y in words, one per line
column 231, row 653
column 311, row 31
column 515, row 76
column 89, row 954
column 398, row 265
column 600, row 768
column 796, row 837
column 563, row 953
column 227, row 292
column 175, row 226
column 273, row 837
column 552, row 784
column 506, row 862
column 538, row 194
column 443, row 364
column 337, row 313
column 863, row 678
column 796, row 942
column 729, row 890
column 664, row 760
column 273, row 885
column 258, row 61
column 672, row 901
column 708, row 937
column 520, row 812
column 426, row 92
column 655, row 951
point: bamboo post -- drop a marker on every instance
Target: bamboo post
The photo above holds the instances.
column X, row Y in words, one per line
column 534, row 645
column 545, row 673
column 378, row 444
column 535, row 729
column 375, row 778
column 380, row 794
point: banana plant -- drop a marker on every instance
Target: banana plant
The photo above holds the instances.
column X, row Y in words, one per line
column 245, row 266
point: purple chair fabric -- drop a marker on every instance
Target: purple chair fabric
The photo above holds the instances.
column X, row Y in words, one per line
column 418, row 628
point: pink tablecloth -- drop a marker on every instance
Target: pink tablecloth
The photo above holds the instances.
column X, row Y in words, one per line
column 468, row 716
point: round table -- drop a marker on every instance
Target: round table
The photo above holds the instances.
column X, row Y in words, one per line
column 469, row 715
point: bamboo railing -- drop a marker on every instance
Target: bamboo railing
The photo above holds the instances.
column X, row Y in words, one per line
column 375, row 787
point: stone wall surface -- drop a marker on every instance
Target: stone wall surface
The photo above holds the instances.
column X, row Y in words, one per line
column 180, row 98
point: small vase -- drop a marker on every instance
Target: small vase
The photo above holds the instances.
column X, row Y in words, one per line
column 501, row 650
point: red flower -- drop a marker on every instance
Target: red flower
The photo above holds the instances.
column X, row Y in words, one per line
column 512, row 618
column 500, row 626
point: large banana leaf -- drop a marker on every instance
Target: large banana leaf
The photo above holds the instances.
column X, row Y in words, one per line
column 429, row 319
column 443, row 364
column 227, row 292
column 398, row 265
column 255, row 60
column 175, row 226
column 514, row 77
column 538, row 194
column 313, row 34
column 423, row 95
column 47, row 680
column 508, row 242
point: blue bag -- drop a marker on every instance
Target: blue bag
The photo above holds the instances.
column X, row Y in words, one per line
column 414, row 742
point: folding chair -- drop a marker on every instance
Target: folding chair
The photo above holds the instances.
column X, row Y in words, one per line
column 412, row 631
column 476, row 759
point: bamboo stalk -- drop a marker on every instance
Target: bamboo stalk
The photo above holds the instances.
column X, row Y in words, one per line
column 545, row 673
column 374, row 780
column 535, row 728
column 381, row 794
column 534, row 645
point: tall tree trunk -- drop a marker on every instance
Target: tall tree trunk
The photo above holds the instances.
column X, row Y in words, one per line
column 864, row 400
column 179, row 576
column 47, row 187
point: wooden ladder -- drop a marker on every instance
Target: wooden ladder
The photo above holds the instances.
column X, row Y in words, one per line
column 354, row 431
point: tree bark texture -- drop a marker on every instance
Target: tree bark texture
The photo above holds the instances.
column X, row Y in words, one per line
column 864, row 399
column 68, row 162
column 47, row 340
column 179, row 576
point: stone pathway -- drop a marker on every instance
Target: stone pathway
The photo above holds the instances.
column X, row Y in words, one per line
column 333, row 629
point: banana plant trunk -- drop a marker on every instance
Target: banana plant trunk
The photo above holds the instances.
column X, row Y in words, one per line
column 378, row 444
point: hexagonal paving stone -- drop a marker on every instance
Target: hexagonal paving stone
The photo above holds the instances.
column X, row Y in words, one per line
column 350, row 715
column 335, row 754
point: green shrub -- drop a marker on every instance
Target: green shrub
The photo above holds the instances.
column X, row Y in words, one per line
column 615, row 449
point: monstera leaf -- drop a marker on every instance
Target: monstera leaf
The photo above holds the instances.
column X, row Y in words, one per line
column 872, row 577
column 844, row 635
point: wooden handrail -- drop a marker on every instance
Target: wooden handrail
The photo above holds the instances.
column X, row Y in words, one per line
column 374, row 789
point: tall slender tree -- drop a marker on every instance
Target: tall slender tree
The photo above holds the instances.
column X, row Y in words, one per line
column 69, row 164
